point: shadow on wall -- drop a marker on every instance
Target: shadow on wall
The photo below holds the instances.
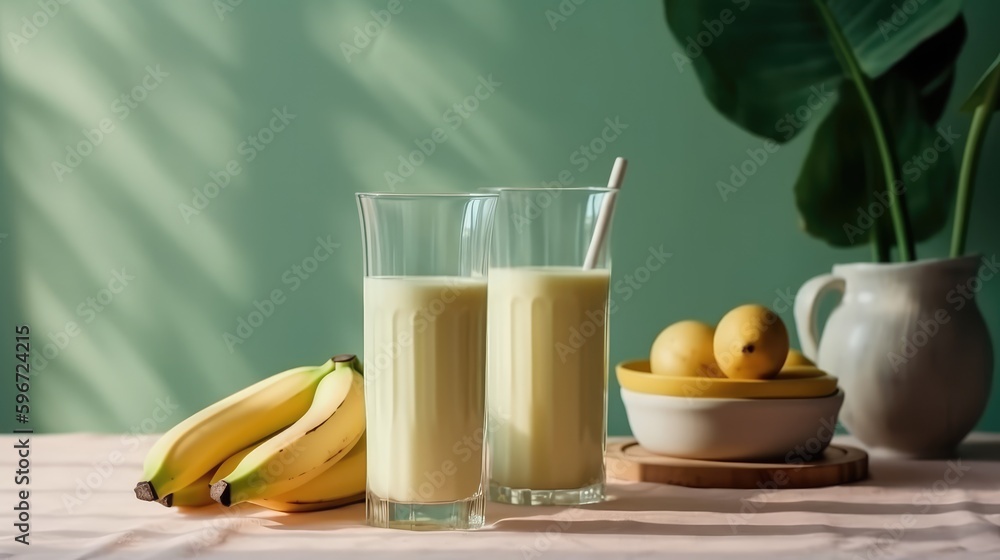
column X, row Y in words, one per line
column 182, row 182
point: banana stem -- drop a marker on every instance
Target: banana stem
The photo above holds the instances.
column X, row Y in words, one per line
column 897, row 200
column 880, row 249
column 970, row 159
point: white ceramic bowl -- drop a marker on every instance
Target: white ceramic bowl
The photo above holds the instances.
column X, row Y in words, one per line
column 790, row 430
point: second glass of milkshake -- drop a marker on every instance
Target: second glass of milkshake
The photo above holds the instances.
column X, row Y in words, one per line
column 547, row 357
column 425, row 357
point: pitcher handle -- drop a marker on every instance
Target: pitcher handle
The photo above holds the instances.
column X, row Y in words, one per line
column 806, row 301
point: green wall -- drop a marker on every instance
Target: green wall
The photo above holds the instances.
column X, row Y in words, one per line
column 157, row 350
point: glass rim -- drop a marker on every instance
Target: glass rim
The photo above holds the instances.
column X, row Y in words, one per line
column 571, row 189
column 423, row 195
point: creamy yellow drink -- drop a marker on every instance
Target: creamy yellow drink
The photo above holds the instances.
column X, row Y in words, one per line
column 547, row 377
column 425, row 361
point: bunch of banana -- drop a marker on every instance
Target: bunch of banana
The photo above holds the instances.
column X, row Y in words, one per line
column 276, row 443
column 341, row 484
column 324, row 435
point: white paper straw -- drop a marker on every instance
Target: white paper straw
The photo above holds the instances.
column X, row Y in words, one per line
column 604, row 216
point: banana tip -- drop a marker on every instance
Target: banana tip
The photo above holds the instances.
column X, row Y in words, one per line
column 343, row 358
column 220, row 493
column 167, row 500
column 145, row 491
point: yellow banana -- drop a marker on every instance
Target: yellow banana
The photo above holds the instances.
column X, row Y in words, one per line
column 206, row 439
column 322, row 436
column 341, row 484
column 230, row 464
column 197, row 493
column 292, row 507
column 192, row 495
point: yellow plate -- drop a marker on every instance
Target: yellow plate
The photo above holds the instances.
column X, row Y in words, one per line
column 796, row 382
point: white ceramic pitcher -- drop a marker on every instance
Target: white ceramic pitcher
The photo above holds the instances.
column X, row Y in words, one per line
column 910, row 348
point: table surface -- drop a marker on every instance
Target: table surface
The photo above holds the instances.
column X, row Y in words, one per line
column 82, row 506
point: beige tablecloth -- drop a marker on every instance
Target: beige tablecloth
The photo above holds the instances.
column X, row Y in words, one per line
column 82, row 506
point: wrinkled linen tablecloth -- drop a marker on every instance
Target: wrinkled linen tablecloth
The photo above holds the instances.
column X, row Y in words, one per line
column 82, row 506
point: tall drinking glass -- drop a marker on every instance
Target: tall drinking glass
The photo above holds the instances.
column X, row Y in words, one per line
column 548, row 348
column 425, row 357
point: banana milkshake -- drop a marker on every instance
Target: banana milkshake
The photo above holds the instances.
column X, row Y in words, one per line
column 425, row 360
column 547, row 381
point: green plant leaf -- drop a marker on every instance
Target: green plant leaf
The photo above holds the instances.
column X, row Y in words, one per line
column 930, row 67
column 833, row 190
column 978, row 96
column 761, row 61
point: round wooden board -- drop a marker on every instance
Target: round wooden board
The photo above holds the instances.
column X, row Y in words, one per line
column 840, row 464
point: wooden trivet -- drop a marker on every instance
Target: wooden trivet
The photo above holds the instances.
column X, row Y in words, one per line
column 840, row 464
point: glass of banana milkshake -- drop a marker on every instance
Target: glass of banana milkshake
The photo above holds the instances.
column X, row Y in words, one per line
column 548, row 347
column 425, row 260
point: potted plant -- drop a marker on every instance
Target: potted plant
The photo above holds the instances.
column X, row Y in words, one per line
column 907, row 341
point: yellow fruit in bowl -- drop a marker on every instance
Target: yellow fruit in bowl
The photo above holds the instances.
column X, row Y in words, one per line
column 796, row 358
column 684, row 349
column 751, row 342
